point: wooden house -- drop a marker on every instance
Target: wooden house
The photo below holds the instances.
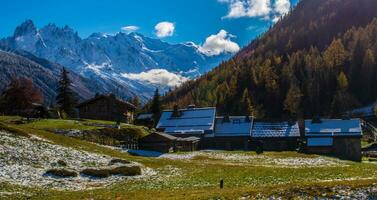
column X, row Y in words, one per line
column 107, row 107
column 341, row 138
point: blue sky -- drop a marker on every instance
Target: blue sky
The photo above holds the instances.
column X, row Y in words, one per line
column 193, row 20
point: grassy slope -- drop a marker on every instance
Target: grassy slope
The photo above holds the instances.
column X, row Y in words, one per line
column 198, row 178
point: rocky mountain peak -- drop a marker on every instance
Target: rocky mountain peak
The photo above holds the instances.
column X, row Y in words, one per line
column 27, row 27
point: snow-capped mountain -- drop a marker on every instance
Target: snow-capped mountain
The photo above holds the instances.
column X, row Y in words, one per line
column 113, row 59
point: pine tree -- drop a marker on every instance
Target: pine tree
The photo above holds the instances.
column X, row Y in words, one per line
column 156, row 106
column 368, row 72
column 292, row 101
column 342, row 100
column 246, row 106
column 66, row 98
column 335, row 55
column 136, row 102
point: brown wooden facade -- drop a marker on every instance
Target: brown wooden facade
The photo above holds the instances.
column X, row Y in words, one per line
column 107, row 107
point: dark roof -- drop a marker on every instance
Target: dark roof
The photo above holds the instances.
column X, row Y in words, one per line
column 188, row 139
column 105, row 96
column 167, row 136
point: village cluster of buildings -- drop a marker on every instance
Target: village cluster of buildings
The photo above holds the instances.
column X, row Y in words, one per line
column 203, row 129
column 195, row 128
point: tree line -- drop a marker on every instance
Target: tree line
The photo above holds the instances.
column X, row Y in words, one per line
column 278, row 82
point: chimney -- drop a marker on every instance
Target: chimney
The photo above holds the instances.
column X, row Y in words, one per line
column 191, row 106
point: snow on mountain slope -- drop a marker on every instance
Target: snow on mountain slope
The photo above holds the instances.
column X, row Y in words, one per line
column 109, row 58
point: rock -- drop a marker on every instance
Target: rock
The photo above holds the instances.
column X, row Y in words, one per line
column 62, row 163
column 120, row 161
column 99, row 173
column 126, row 171
column 63, row 173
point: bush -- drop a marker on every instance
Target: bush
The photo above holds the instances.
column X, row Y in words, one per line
column 126, row 171
column 61, row 173
column 100, row 173
column 120, row 161
column 259, row 149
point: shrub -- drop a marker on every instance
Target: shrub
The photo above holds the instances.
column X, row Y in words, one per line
column 117, row 160
column 61, row 173
column 259, row 149
column 126, row 171
column 100, row 173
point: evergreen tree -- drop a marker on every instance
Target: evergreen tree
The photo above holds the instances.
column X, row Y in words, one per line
column 66, row 98
column 292, row 101
column 246, row 106
column 342, row 100
column 335, row 55
column 156, row 106
column 136, row 102
column 368, row 72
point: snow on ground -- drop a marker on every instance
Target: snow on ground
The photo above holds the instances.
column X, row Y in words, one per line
column 24, row 161
column 257, row 159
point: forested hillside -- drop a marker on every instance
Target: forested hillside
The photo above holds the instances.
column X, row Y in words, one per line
column 317, row 60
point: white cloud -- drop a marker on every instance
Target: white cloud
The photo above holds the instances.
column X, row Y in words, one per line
column 219, row 43
column 164, row 29
column 159, row 77
column 282, row 6
column 130, row 29
column 263, row 9
column 248, row 8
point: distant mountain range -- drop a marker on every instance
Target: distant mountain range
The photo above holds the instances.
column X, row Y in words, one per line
column 114, row 63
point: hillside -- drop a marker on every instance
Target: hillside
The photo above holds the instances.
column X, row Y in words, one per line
column 317, row 60
column 45, row 75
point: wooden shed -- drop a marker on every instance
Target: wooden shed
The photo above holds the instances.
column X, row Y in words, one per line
column 107, row 107
column 166, row 143
column 157, row 141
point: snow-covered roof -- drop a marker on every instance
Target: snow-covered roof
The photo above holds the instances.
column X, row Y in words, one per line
column 236, row 126
column 275, row 129
column 190, row 121
column 333, row 127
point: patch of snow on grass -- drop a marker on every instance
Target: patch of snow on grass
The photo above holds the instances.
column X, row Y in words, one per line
column 24, row 161
column 261, row 160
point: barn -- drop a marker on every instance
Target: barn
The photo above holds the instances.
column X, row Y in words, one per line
column 107, row 107
column 337, row 137
column 187, row 122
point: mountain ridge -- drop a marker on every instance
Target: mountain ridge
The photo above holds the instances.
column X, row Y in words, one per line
column 108, row 57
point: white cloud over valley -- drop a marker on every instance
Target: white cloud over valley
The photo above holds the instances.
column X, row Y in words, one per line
column 159, row 77
column 219, row 43
column 264, row 9
column 129, row 29
column 164, row 29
